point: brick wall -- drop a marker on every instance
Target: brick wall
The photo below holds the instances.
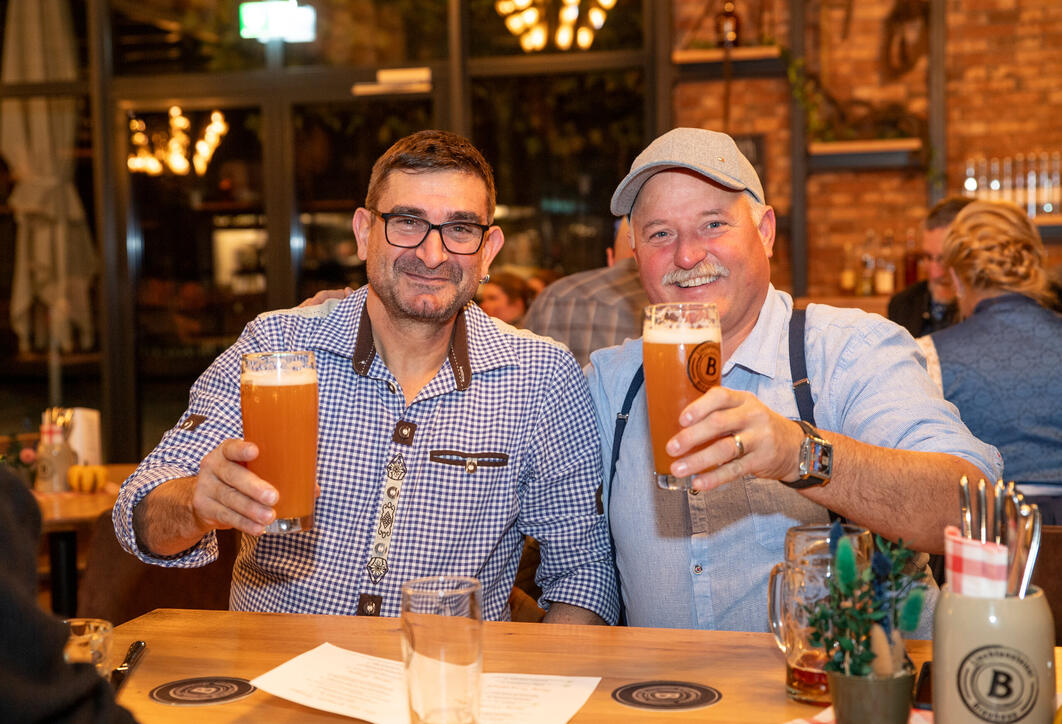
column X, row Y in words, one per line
column 1004, row 97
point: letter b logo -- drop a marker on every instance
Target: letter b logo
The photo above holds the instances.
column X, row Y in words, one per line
column 1000, row 686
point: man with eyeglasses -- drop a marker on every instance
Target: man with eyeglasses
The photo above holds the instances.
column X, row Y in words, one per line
column 444, row 438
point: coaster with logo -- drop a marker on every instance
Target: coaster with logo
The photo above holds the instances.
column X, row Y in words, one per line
column 674, row 695
column 202, row 691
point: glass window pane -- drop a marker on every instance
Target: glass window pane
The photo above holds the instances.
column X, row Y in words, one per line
column 335, row 148
column 30, row 296
column 559, row 145
column 201, row 244
column 503, row 27
column 373, row 32
column 153, row 37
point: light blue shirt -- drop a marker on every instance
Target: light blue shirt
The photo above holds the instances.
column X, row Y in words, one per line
column 702, row 560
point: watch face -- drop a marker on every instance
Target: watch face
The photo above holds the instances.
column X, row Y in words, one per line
column 816, row 458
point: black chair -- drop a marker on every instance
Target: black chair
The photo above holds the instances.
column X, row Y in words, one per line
column 118, row 587
column 1048, row 573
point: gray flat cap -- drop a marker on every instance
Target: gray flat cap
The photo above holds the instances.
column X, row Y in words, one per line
column 709, row 153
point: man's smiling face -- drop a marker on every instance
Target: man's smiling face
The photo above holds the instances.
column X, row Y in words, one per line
column 426, row 283
column 697, row 241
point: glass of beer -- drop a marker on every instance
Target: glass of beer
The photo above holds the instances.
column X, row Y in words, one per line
column 278, row 398
column 680, row 352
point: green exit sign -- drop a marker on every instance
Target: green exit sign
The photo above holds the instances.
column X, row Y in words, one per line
column 278, row 20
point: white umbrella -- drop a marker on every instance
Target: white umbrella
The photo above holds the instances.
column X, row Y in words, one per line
column 54, row 256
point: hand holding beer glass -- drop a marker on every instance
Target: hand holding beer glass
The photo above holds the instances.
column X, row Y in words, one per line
column 278, row 398
column 682, row 360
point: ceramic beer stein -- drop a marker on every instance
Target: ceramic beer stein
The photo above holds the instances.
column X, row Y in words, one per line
column 993, row 659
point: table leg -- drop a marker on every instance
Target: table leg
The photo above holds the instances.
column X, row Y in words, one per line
column 62, row 554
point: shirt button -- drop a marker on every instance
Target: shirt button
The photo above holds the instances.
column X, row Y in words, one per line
column 694, row 492
column 370, row 608
column 403, row 431
column 697, row 569
column 391, row 386
column 471, row 465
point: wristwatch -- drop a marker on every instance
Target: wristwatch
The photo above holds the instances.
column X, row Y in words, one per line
column 816, row 459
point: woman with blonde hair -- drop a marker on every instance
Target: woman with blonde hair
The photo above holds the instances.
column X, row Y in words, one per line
column 1002, row 365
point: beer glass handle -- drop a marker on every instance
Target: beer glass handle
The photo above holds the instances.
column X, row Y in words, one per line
column 774, row 609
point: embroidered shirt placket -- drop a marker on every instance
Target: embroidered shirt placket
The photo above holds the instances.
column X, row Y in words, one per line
column 395, row 473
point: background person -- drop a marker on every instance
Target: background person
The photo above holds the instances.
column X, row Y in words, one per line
column 36, row 683
column 505, row 296
column 444, row 437
column 593, row 309
column 1001, row 364
column 929, row 305
column 701, row 559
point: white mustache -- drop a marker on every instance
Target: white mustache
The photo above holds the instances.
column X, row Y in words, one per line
column 704, row 273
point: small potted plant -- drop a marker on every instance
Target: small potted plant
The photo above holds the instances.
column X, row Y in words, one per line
column 859, row 625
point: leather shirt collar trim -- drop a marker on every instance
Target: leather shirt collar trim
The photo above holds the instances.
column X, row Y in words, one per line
column 461, row 366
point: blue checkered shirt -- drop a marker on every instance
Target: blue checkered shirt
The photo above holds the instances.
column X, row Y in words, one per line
column 524, row 415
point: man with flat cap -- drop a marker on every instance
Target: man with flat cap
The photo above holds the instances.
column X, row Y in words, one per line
column 862, row 433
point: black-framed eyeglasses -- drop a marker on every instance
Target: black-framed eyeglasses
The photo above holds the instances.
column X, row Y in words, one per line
column 408, row 232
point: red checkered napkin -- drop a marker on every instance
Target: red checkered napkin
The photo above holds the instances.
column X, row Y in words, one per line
column 974, row 568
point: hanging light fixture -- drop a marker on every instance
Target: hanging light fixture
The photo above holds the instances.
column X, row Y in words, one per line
column 164, row 151
column 574, row 23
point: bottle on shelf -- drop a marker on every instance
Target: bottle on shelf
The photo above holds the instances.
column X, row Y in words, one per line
column 767, row 22
column 849, row 272
column 54, row 458
column 982, row 178
column 1056, row 182
column 1031, row 186
column 885, row 266
column 1006, row 191
column 993, row 179
column 912, row 257
column 969, row 183
column 1019, row 180
column 1045, row 192
column 865, row 286
column 728, row 26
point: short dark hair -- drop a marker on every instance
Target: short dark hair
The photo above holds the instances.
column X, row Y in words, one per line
column 945, row 211
column 431, row 151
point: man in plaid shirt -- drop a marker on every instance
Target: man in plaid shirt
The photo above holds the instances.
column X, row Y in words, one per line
column 444, row 438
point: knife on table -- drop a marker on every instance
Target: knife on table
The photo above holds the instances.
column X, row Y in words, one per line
column 132, row 657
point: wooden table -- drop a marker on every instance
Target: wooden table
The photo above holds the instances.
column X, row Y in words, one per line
column 62, row 514
column 746, row 668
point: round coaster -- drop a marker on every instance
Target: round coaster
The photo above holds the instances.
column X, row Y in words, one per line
column 666, row 695
column 201, row 691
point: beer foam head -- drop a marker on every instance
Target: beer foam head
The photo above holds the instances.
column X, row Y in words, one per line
column 279, row 377
column 681, row 335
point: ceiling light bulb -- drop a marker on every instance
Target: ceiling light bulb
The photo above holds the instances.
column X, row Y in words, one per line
column 526, row 42
column 505, row 7
column 521, row 4
column 530, row 16
column 597, row 17
column 515, row 23
column 564, row 37
column 584, row 37
column 607, row 4
column 569, row 14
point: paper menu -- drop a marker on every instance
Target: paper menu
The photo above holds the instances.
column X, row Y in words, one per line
column 368, row 687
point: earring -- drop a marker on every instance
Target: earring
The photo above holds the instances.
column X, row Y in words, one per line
column 485, row 279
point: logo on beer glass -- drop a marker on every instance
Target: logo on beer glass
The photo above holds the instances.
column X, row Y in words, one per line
column 703, row 366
